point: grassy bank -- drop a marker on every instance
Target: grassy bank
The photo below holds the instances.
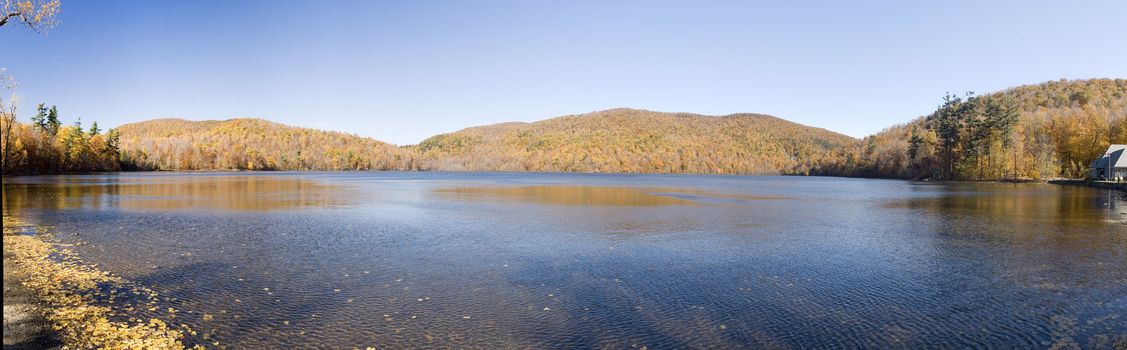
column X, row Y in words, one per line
column 78, row 300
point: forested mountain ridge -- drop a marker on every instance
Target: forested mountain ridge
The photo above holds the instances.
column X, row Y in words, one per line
column 638, row 141
column 251, row 144
column 1047, row 130
column 617, row 140
column 1052, row 129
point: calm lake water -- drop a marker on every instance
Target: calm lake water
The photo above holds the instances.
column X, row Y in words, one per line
column 474, row 260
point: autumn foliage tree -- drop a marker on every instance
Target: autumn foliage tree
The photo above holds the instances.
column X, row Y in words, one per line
column 38, row 15
column 45, row 147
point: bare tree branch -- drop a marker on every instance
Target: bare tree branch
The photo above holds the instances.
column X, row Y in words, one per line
column 4, row 20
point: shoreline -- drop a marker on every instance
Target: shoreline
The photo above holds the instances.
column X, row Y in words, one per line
column 1122, row 186
column 25, row 326
column 348, row 171
column 57, row 300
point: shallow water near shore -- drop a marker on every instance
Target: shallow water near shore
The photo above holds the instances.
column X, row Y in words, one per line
column 495, row 260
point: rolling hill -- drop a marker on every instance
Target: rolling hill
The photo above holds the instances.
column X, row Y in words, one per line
column 638, row 141
column 251, row 144
column 617, row 140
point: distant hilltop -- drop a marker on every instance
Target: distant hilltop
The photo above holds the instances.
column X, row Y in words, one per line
column 637, row 141
column 1053, row 129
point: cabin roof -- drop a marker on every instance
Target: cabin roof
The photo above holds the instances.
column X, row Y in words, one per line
column 1114, row 156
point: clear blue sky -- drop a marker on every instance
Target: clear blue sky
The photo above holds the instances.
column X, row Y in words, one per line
column 404, row 70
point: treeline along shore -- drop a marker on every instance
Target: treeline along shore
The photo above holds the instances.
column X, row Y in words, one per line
column 1035, row 132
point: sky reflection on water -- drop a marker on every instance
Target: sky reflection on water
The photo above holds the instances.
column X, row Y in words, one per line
column 473, row 260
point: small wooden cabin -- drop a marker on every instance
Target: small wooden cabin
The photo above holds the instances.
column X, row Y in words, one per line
column 1111, row 166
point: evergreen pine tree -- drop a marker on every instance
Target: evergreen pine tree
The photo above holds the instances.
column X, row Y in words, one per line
column 52, row 124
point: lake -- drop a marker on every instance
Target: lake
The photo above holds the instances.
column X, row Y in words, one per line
column 498, row 260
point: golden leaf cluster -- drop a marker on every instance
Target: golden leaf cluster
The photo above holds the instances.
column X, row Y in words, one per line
column 67, row 288
column 39, row 15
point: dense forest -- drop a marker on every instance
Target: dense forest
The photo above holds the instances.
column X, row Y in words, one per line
column 1054, row 129
column 619, row 140
column 637, row 141
column 1049, row 130
column 251, row 144
column 46, row 146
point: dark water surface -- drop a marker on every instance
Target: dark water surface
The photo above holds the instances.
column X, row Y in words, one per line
column 470, row 260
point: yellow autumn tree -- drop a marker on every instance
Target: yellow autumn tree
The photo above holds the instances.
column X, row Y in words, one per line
column 38, row 15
